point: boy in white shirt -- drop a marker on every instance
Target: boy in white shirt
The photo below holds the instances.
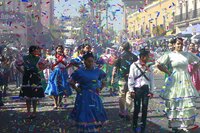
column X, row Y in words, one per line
column 140, row 84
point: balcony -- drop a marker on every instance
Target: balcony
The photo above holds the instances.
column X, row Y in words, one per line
column 187, row 16
column 133, row 3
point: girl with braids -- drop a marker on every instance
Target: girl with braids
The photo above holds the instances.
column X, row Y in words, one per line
column 58, row 80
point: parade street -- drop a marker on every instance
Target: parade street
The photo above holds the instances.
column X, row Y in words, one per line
column 81, row 66
column 13, row 115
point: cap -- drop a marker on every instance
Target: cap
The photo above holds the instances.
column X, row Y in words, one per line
column 144, row 51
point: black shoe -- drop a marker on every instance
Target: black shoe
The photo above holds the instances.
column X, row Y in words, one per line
column 1, row 104
column 142, row 130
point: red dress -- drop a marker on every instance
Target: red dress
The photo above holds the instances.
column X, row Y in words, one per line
column 195, row 77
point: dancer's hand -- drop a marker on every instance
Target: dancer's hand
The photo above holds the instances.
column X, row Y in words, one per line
column 60, row 58
column 78, row 89
column 150, row 95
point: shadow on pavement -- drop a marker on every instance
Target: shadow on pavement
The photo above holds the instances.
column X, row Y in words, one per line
column 119, row 125
column 57, row 121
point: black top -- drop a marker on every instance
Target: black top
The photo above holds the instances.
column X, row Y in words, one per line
column 124, row 62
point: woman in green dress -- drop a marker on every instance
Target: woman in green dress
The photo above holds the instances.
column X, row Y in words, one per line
column 179, row 93
column 31, row 90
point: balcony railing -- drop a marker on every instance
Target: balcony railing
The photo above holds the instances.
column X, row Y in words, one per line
column 191, row 15
column 136, row 2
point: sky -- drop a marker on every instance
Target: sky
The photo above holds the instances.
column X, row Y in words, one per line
column 70, row 7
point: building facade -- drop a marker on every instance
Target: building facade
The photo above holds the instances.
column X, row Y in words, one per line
column 187, row 14
column 155, row 19
column 131, row 6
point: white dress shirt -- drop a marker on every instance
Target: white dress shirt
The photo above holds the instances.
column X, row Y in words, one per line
column 135, row 72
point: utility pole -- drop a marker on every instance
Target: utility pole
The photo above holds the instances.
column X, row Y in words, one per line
column 92, row 19
column 107, row 5
column 51, row 13
column 4, row 5
column 98, row 21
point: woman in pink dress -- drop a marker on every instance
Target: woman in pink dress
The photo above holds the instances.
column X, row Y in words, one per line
column 195, row 76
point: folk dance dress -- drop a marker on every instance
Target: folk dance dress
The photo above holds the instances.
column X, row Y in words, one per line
column 31, row 84
column 58, row 81
column 48, row 70
column 179, row 93
column 88, row 113
column 77, row 62
column 195, row 76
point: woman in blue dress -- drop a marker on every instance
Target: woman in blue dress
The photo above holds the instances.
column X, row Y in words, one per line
column 88, row 112
column 58, row 82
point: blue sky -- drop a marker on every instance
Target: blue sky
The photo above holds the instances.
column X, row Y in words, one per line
column 70, row 7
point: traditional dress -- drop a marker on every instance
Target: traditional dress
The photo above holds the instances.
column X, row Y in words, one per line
column 110, row 65
column 88, row 113
column 78, row 61
column 48, row 70
column 169, row 66
column 31, row 84
column 58, row 80
column 195, row 76
column 179, row 93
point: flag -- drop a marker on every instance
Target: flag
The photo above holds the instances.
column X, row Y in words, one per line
column 158, row 14
column 24, row 0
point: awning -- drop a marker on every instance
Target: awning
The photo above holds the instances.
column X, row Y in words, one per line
column 184, row 35
column 180, row 29
column 195, row 38
column 192, row 29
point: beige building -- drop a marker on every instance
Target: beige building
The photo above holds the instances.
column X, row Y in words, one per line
column 154, row 19
column 187, row 14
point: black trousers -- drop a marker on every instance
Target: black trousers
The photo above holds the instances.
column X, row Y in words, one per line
column 140, row 97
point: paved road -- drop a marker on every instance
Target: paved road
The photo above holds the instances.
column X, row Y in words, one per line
column 12, row 115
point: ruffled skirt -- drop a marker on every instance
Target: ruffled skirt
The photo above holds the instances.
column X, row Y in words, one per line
column 88, row 113
column 58, row 83
column 180, row 95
